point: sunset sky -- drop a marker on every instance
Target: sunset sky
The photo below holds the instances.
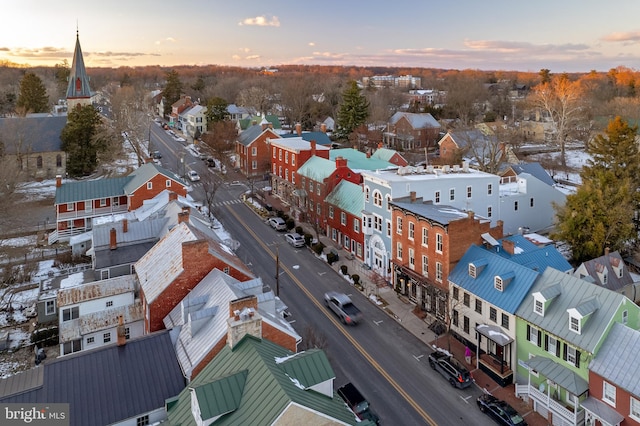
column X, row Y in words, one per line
column 561, row 35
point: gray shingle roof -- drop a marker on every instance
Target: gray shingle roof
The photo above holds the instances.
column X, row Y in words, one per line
column 606, row 262
column 249, row 135
column 440, row 213
column 109, row 384
column 40, row 134
column 418, row 121
column 534, row 169
column 617, row 359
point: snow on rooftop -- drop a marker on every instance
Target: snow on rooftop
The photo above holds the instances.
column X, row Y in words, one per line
column 72, row 280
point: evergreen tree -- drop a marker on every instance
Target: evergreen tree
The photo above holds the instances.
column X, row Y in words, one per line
column 79, row 140
column 33, row 95
column 217, row 110
column 62, row 72
column 353, row 111
column 601, row 213
column 172, row 90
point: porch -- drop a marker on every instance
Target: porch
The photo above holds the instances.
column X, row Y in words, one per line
column 100, row 211
column 556, row 412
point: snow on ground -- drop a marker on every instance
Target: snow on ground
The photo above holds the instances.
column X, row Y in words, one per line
column 35, row 191
column 29, row 240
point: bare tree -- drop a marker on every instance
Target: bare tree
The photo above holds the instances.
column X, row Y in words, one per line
column 219, row 140
column 210, row 185
column 312, row 338
column 131, row 115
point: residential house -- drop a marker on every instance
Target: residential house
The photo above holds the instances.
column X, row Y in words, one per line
column 359, row 160
column 287, row 156
column 199, row 322
column 536, row 170
column 614, row 380
column 427, row 242
column 327, row 125
column 390, row 155
column 486, row 287
column 47, row 304
column 78, row 203
column 272, row 121
column 460, row 187
column 344, row 215
column 177, row 108
column 408, row 131
column 176, row 264
column 481, row 149
column 560, row 327
column 610, row 271
column 320, row 137
column 252, row 151
column 261, row 383
column 194, row 121
column 98, row 313
column 122, row 385
column 237, row 113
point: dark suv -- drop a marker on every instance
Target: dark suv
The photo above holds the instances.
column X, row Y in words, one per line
column 450, row 369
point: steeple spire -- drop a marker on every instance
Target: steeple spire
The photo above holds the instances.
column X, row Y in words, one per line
column 78, row 90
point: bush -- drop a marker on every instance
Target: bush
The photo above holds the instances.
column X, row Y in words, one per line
column 343, row 269
column 307, row 239
column 290, row 223
column 45, row 336
column 299, row 230
column 331, row 257
column 318, row 248
column 356, row 279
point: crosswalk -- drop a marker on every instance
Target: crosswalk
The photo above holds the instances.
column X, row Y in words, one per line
column 227, row 203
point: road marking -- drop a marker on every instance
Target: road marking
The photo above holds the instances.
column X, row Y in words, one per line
column 465, row 398
column 321, row 273
column 295, row 267
column 378, row 322
column 418, row 357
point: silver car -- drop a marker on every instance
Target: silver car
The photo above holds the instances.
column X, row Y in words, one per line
column 294, row 239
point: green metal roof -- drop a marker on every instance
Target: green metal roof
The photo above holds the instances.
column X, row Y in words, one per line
column 347, row 197
column 221, row 396
column 317, row 168
column 358, row 160
column 269, row 388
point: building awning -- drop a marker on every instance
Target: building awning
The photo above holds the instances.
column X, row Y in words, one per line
column 494, row 333
column 489, row 239
column 602, row 411
column 558, row 374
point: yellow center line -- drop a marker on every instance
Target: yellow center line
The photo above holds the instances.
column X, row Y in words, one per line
column 335, row 322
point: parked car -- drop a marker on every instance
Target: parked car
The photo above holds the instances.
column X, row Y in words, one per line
column 31, row 311
column 449, row 367
column 499, row 411
column 278, row 223
column 294, row 239
column 357, row 403
column 156, row 154
column 343, row 307
column 193, row 176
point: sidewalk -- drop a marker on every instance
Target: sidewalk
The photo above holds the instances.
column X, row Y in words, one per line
column 401, row 309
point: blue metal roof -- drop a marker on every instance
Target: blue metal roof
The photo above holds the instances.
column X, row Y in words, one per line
column 321, row 138
column 533, row 256
column 483, row 285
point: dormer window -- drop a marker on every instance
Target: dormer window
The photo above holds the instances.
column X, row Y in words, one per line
column 574, row 324
column 500, row 282
column 538, row 307
column 476, row 267
column 472, row 270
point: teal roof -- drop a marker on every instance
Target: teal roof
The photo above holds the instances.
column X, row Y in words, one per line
column 245, row 123
column 357, row 160
column 208, row 394
column 317, row 168
column 275, row 379
column 384, row 153
column 347, row 197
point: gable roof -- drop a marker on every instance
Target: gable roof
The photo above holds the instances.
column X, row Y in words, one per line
column 358, row 160
column 321, row 138
column 317, row 168
column 39, row 134
column 574, row 292
column 595, row 267
column 145, row 173
column 417, row 121
column 534, row 169
column 617, row 358
column 522, row 278
column 529, row 254
column 466, row 138
column 276, row 378
column 133, row 379
column 248, row 136
column 348, row 197
column 385, row 154
column 246, row 123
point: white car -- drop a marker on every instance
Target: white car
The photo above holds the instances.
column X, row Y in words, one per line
column 278, row 223
column 193, row 176
column 294, row 239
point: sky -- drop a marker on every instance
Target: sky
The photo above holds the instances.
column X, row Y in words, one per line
column 560, row 35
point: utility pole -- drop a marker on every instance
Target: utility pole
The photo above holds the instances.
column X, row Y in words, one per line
column 278, row 271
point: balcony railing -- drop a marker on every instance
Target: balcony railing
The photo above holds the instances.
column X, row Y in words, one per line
column 561, row 414
column 100, row 211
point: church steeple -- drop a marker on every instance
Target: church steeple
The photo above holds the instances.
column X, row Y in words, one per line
column 78, row 90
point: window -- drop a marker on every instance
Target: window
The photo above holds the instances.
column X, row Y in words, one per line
column 439, row 243
column 366, row 193
column 425, row 236
column 388, row 201
column 318, row 187
column 91, row 339
column 533, row 335
column 50, row 307
column 439, row 272
column 411, row 230
column 634, row 409
column 399, row 251
column 70, row 313
column 412, row 259
column 286, row 174
column 280, row 154
column 552, row 345
column 399, row 226
column 58, row 160
column 625, row 316
column 254, row 165
column 538, row 307
column 286, row 157
column 70, row 207
column 465, row 324
column 330, row 212
column 377, row 223
column 388, row 228
column 609, row 393
column 515, row 206
column 168, row 183
column 343, row 218
column 106, row 337
column 497, row 283
column 505, row 321
column 310, row 186
column 489, row 212
column 531, row 202
column 142, row 421
column 254, row 151
column 454, row 318
column 226, row 270
column 109, row 303
column 574, row 324
column 437, row 197
column 452, row 194
column 468, row 192
column 115, row 201
column 39, row 162
column 377, row 198
column 274, row 152
column 489, row 189
column 71, row 347
column 493, row 314
column 425, row 266
column 293, row 177
column 479, row 306
column 293, row 159
column 466, row 300
column 356, row 225
column 103, row 202
column 318, row 208
column 149, row 185
column 127, row 333
column 456, row 293
column 572, row 355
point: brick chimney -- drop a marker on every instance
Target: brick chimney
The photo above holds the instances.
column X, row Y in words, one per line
column 243, row 319
column 470, row 214
column 58, row 181
column 299, row 129
column 509, row 246
column 313, row 148
column 125, row 225
column 323, row 128
column 122, row 337
column 173, row 196
column 113, row 244
column 412, row 196
column 341, row 162
column 183, row 216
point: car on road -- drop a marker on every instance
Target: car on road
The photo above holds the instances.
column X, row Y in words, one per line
column 295, row 239
column 451, row 369
column 357, row 403
column 278, row 223
column 156, row 154
column 500, row 411
column 343, row 307
column 193, row 176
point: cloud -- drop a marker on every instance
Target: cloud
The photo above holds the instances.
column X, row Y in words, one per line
column 261, row 21
column 311, row 44
column 252, row 57
column 632, row 36
column 168, row 39
column 514, row 46
column 109, row 54
column 40, row 53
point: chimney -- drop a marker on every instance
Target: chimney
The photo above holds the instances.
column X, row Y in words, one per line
column 173, row 196
column 341, row 162
column 509, row 246
column 122, row 338
column 112, row 239
column 379, row 145
column 183, row 216
column 58, row 181
column 368, row 154
column 606, row 251
column 243, row 319
column 125, row 225
column 313, row 148
column 323, row 128
column 412, row 195
column 299, row 129
column 470, row 214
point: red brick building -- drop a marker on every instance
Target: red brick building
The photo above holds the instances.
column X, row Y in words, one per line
column 427, row 242
column 252, row 150
column 78, row 203
column 408, row 130
column 344, row 217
